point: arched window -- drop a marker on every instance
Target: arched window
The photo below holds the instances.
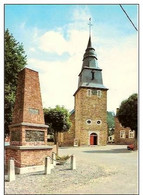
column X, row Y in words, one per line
column 99, row 93
column 89, row 92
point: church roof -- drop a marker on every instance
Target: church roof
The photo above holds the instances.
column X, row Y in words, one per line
column 90, row 51
column 90, row 75
column 72, row 111
column 93, row 85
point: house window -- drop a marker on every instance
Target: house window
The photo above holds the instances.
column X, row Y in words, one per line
column 122, row 134
column 89, row 92
column 89, row 121
column 131, row 134
column 99, row 93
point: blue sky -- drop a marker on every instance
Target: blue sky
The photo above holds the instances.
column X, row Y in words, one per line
column 55, row 38
column 46, row 17
column 56, row 15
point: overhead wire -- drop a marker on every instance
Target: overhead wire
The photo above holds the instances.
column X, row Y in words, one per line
column 128, row 17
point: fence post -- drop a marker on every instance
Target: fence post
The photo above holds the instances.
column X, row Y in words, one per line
column 73, row 162
column 11, row 170
column 53, row 159
column 47, row 165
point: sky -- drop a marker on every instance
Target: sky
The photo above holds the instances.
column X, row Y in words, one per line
column 55, row 38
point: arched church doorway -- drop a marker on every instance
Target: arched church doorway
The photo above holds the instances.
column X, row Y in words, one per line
column 93, row 139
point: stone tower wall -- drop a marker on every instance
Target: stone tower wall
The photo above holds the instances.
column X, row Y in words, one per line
column 93, row 108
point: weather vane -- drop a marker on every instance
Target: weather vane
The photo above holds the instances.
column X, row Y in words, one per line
column 90, row 25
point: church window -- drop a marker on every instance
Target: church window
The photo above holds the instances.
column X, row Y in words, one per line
column 131, row 134
column 99, row 93
column 89, row 92
column 94, row 92
column 122, row 134
column 98, row 122
column 88, row 121
column 92, row 72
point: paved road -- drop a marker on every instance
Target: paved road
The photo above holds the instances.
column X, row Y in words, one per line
column 108, row 169
column 118, row 164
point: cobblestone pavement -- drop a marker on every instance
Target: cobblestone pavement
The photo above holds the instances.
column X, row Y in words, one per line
column 108, row 169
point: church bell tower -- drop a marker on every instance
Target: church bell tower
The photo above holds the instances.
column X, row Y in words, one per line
column 90, row 101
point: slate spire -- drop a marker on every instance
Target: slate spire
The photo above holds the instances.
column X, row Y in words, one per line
column 89, row 45
column 90, row 54
column 90, row 75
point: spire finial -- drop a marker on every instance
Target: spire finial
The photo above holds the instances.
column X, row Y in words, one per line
column 90, row 24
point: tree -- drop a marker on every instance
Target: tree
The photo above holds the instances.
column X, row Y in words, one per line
column 110, row 122
column 14, row 60
column 58, row 120
column 127, row 113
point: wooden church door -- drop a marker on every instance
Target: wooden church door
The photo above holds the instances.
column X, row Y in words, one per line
column 93, row 139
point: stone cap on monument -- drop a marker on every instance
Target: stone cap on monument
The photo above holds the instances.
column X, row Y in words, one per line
column 28, row 104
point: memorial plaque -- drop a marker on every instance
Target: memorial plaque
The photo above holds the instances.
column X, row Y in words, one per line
column 15, row 135
column 33, row 111
column 32, row 136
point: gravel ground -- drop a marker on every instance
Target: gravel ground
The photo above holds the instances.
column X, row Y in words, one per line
column 100, row 170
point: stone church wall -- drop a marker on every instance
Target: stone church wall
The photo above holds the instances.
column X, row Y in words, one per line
column 67, row 138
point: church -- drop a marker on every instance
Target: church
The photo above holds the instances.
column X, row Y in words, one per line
column 89, row 116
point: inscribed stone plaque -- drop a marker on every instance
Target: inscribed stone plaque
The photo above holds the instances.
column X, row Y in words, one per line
column 32, row 136
column 33, row 111
column 15, row 135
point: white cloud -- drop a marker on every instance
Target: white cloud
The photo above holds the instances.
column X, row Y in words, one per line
column 22, row 26
column 59, row 79
column 120, row 69
column 81, row 14
column 76, row 33
column 53, row 42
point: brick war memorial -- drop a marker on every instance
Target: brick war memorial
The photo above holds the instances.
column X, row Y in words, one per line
column 28, row 132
